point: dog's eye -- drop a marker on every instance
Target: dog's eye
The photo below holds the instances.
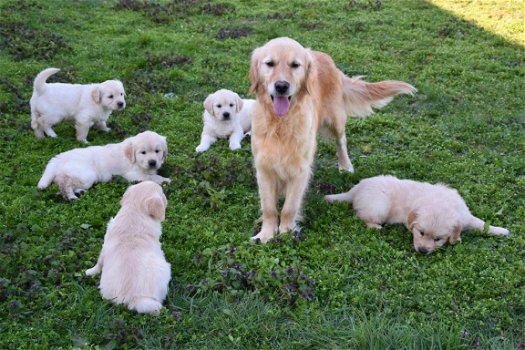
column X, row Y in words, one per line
column 157, row 151
column 421, row 233
column 142, row 152
column 295, row 65
column 219, row 106
column 110, row 96
column 270, row 63
column 231, row 104
column 437, row 239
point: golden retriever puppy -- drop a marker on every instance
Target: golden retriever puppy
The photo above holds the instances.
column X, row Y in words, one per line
column 298, row 92
column 137, row 158
column 134, row 270
column 84, row 104
column 434, row 214
column 225, row 115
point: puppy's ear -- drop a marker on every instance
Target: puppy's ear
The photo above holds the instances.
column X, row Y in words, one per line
column 129, row 151
column 309, row 75
column 156, row 208
column 164, row 150
column 96, row 95
column 238, row 103
column 412, row 219
column 254, row 70
column 208, row 104
column 456, row 234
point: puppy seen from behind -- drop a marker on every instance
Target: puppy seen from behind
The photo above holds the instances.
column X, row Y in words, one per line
column 137, row 158
column 225, row 115
column 435, row 214
column 133, row 269
column 86, row 105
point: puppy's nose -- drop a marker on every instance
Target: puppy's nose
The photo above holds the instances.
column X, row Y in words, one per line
column 282, row 86
column 152, row 163
column 226, row 115
column 422, row 250
column 120, row 104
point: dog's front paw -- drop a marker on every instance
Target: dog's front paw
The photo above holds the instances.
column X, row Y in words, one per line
column 499, row 231
column 95, row 270
column 263, row 237
column 201, row 148
column 159, row 179
column 235, row 146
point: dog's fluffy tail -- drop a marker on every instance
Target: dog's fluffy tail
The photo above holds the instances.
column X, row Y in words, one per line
column 360, row 96
column 48, row 176
column 342, row 197
column 145, row 305
column 478, row 224
column 40, row 80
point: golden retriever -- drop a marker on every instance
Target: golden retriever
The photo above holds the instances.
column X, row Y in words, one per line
column 134, row 269
column 85, row 104
column 298, row 92
column 434, row 214
column 137, row 158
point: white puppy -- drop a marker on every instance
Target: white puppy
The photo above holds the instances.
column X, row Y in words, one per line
column 434, row 214
column 225, row 115
column 134, row 269
column 85, row 104
column 137, row 158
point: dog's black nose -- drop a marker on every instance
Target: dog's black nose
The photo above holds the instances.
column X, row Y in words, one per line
column 152, row 163
column 120, row 104
column 422, row 250
column 226, row 115
column 282, row 86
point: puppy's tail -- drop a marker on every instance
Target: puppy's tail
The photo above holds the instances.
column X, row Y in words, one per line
column 48, row 176
column 478, row 224
column 40, row 80
column 360, row 96
column 145, row 305
column 342, row 197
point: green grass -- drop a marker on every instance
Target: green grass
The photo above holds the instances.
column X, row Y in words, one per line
column 338, row 284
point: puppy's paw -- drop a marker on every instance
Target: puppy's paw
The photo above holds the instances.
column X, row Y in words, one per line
column 349, row 168
column 499, row 231
column 95, row 270
column 106, row 129
column 235, row 146
column 159, row 179
column 263, row 237
column 201, row 148
column 373, row 225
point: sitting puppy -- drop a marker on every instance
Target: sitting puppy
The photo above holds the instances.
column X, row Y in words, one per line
column 134, row 270
column 136, row 159
column 225, row 115
column 434, row 214
column 85, row 104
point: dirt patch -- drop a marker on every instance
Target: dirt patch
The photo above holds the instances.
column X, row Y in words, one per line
column 233, row 33
column 161, row 13
column 142, row 120
column 218, row 9
column 153, row 61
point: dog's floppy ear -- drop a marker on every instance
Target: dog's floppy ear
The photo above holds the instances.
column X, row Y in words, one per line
column 208, row 104
column 129, row 151
column 238, row 103
column 456, row 234
column 309, row 74
column 96, row 95
column 254, row 70
column 164, row 149
column 156, row 207
column 412, row 219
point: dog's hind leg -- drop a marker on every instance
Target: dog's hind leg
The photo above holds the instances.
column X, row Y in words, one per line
column 478, row 224
column 65, row 183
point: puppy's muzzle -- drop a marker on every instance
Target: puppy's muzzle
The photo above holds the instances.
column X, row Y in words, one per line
column 226, row 115
column 152, row 163
column 423, row 250
column 120, row 105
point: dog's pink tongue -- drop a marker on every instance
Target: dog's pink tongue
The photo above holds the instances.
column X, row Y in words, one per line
column 281, row 104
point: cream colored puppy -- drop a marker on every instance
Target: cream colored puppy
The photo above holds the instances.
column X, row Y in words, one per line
column 85, row 104
column 134, row 269
column 434, row 214
column 136, row 159
column 225, row 115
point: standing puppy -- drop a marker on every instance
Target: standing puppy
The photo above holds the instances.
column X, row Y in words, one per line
column 299, row 91
column 134, row 270
column 137, row 158
column 85, row 104
column 225, row 115
column 434, row 214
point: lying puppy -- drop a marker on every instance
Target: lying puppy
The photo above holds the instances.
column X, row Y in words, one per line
column 134, row 270
column 136, row 159
column 225, row 115
column 434, row 214
column 85, row 104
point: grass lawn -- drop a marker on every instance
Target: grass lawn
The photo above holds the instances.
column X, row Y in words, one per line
column 338, row 284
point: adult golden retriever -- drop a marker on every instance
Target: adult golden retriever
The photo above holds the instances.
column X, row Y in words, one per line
column 298, row 92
